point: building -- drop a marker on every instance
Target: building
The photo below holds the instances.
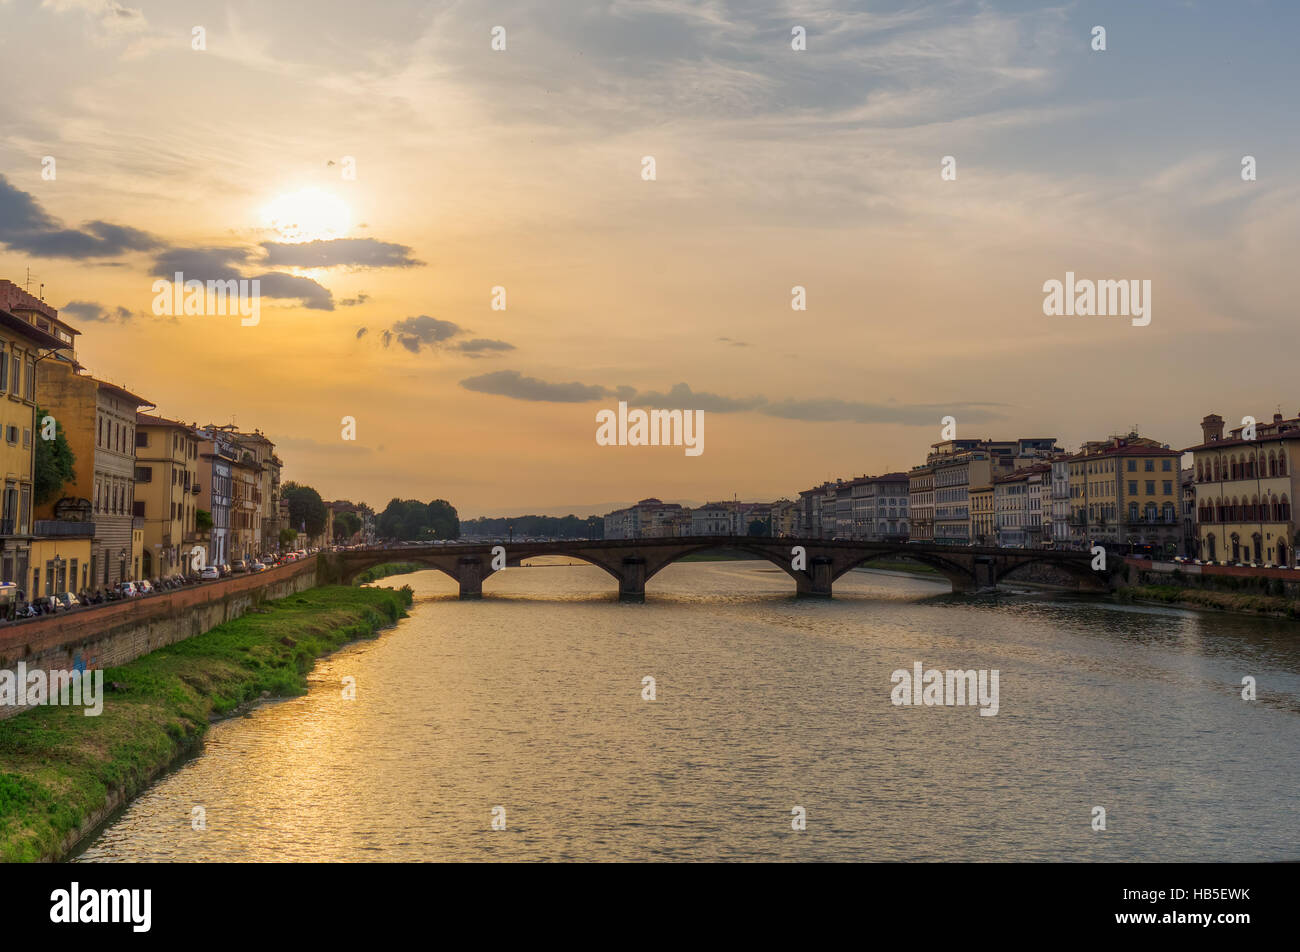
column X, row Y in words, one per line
column 1018, row 506
column 784, row 518
column 98, row 419
column 1187, row 481
column 167, row 493
column 218, row 457
column 983, row 522
column 1060, row 503
column 1124, row 492
column 958, row 466
column 920, row 502
column 1245, row 484
column 879, row 507
column 30, row 331
column 648, row 519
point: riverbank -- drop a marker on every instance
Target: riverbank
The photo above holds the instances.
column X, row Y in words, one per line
column 376, row 572
column 1273, row 606
column 61, row 773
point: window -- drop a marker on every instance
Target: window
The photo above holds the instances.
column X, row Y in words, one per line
column 141, row 438
column 4, row 368
column 1151, row 487
column 139, row 508
column 1166, row 464
column 1168, row 487
column 27, row 438
column 16, row 374
column 1132, row 466
column 1132, row 486
column 1150, row 465
column 11, row 434
column 144, row 474
column 99, row 440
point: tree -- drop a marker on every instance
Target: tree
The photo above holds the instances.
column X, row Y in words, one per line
column 54, row 463
column 306, row 508
column 760, row 527
column 346, row 525
column 202, row 520
column 288, row 537
column 409, row 519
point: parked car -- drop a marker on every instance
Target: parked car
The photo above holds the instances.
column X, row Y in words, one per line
column 257, row 567
column 127, row 590
column 239, row 565
column 66, row 600
column 145, row 586
column 209, row 573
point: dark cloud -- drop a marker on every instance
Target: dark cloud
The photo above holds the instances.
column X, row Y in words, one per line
column 91, row 311
column 28, row 228
column 225, row 264
column 361, row 298
column 339, row 252
column 479, row 344
column 510, row 383
column 826, row 411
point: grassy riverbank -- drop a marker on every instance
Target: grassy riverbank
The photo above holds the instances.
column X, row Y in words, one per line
column 1272, row 605
column 376, row 572
column 61, row 770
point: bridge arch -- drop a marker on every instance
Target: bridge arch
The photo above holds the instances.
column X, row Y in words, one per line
column 778, row 555
column 959, row 575
column 1081, row 572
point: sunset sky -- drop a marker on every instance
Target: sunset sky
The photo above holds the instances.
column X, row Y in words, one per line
column 775, row 168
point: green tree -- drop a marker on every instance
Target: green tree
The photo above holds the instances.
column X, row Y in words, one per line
column 760, row 527
column 346, row 524
column 410, row 519
column 288, row 537
column 54, row 462
column 306, row 508
column 444, row 522
column 202, row 520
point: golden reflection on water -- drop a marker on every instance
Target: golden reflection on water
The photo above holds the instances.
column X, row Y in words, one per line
column 531, row 700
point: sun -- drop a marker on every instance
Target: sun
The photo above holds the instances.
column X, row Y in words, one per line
column 308, row 214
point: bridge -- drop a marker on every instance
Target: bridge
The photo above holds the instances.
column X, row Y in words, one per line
column 814, row 564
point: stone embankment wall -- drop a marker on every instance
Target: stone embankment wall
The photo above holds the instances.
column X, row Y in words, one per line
column 104, row 636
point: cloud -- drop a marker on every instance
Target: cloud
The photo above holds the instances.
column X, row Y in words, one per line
column 478, row 345
column 361, row 332
column 339, row 252
column 423, row 332
column 111, row 15
column 91, row 311
column 827, row 411
column 225, row 264
column 681, row 395
column 361, row 298
column 29, row 228
column 510, row 383
column 734, row 343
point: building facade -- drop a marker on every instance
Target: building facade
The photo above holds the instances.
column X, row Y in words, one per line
column 1245, row 485
column 167, row 493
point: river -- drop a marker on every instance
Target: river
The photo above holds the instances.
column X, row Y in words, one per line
column 531, row 700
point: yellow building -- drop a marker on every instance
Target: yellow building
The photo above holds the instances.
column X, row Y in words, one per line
column 1124, row 491
column 61, row 562
column 1245, row 485
column 30, row 330
column 983, row 529
column 98, row 420
column 167, row 493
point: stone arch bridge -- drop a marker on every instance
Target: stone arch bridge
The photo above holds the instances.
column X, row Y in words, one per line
column 633, row 562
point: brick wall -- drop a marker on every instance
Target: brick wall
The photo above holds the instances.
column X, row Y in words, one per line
column 106, row 636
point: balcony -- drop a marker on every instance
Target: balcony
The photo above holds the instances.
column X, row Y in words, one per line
column 194, row 488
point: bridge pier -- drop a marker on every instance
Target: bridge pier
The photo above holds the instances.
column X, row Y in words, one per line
column 631, row 587
column 470, row 576
column 983, row 576
column 816, row 582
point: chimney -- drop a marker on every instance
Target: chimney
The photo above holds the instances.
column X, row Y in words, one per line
column 1212, row 428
